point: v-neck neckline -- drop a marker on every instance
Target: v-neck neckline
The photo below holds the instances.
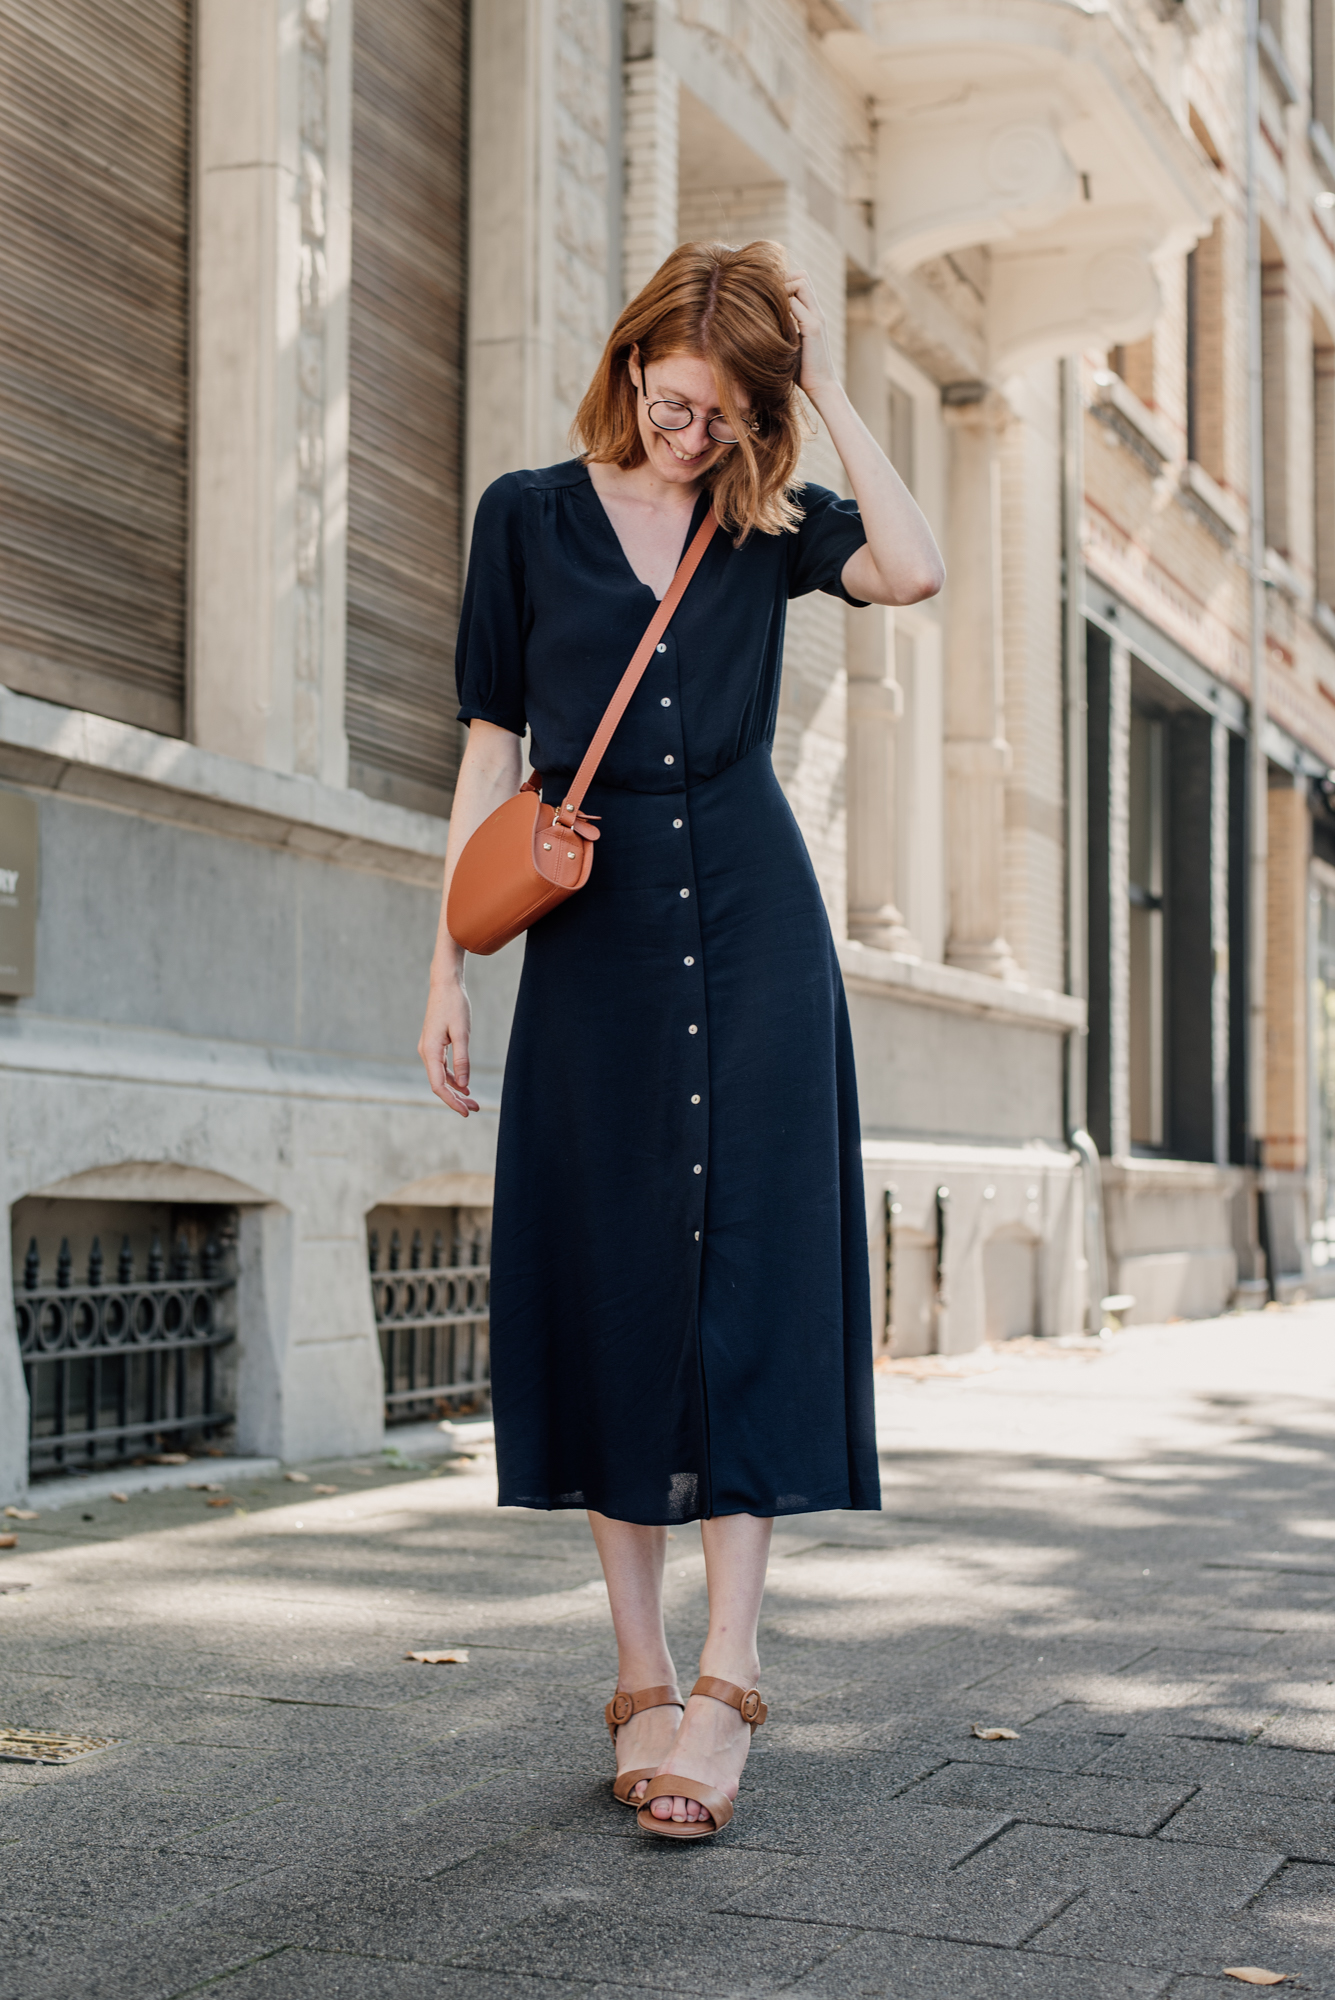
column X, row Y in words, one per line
column 697, row 515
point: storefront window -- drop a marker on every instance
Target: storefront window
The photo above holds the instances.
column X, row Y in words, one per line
column 1323, row 1065
column 1146, row 895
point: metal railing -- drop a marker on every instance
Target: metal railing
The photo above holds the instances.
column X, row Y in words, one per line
column 433, row 1321
column 122, row 1365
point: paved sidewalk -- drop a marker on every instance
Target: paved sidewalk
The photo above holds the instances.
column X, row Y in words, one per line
column 1128, row 1557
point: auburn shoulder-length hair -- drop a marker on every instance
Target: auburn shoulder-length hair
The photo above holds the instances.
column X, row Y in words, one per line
column 730, row 307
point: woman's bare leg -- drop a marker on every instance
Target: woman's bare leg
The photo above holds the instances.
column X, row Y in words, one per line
column 713, row 1741
column 632, row 1559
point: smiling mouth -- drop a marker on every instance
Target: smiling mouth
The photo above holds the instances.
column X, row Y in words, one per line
column 687, row 457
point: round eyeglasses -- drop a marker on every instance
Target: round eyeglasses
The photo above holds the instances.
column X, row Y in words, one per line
column 669, row 416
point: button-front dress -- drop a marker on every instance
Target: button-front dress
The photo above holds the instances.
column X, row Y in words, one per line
column 680, row 1314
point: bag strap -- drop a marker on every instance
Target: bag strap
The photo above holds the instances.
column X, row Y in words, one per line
column 630, row 680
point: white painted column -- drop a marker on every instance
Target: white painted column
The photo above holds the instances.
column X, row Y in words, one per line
column 650, row 118
column 512, row 239
column 875, row 698
column 977, row 755
column 272, row 258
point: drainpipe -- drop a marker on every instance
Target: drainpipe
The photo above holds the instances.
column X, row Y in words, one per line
column 1257, row 800
column 1077, row 835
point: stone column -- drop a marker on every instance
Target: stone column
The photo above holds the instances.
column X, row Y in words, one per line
column 875, row 698
column 977, row 755
column 649, row 140
column 272, row 262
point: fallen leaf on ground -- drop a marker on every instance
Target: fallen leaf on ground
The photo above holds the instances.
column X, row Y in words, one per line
column 996, row 1735
column 120, row 1496
column 459, row 1659
column 171, row 1458
column 1254, row 1975
column 298, row 1478
column 220, row 1503
column 203, row 1486
column 9, row 1541
column 21, row 1513
column 47, row 1746
column 363, row 1471
column 324, row 1489
column 214, row 1451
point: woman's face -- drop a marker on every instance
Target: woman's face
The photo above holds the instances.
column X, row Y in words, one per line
column 678, row 456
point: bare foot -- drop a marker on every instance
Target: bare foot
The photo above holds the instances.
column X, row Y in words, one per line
column 711, row 1745
column 644, row 1741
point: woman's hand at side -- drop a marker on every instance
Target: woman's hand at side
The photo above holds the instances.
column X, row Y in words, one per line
column 488, row 776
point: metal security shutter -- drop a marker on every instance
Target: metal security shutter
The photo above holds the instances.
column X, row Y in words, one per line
column 94, row 193
column 409, row 156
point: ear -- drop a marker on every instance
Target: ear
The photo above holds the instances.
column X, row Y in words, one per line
column 634, row 367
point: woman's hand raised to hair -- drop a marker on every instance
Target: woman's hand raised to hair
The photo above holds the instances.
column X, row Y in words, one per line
column 817, row 370
column 899, row 563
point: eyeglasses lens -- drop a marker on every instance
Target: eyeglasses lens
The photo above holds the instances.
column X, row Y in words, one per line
column 678, row 417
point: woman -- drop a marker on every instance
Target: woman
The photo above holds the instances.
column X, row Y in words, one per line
column 680, row 1316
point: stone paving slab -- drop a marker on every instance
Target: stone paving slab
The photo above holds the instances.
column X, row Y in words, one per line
column 1126, row 1557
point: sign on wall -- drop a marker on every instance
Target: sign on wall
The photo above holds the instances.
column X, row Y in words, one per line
column 18, row 892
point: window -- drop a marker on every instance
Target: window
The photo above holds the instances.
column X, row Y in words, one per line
column 406, row 358
column 1323, row 461
column 94, row 390
column 1275, row 404
column 1323, row 64
column 902, row 454
column 1135, row 365
column 1205, row 354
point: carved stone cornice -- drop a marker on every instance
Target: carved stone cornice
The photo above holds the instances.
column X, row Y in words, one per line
column 1031, row 126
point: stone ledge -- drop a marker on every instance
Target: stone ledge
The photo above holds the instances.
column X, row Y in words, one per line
column 108, row 763
column 81, row 1052
column 894, row 974
column 1150, row 1176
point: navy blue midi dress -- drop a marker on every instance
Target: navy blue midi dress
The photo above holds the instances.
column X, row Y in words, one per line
column 680, row 1314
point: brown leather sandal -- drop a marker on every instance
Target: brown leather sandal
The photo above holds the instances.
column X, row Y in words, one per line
column 620, row 1709
column 752, row 1709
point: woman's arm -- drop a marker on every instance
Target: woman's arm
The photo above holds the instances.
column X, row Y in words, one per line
column 900, row 563
column 488, row 776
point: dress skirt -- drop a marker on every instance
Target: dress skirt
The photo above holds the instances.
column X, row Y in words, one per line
column 680, row 1310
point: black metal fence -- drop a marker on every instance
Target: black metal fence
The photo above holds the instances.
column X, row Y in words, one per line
column 119, row 1366
column 433, row 1321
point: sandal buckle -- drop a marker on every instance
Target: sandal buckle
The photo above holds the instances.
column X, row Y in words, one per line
column 750, row 1705
column 622, row 1707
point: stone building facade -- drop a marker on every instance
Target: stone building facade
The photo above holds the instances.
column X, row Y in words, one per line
column 385, row 247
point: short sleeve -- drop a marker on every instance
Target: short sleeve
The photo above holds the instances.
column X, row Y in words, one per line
column 830, row 532
column 493, row 623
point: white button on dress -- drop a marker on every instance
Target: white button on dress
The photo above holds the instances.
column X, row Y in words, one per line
column 669, row 759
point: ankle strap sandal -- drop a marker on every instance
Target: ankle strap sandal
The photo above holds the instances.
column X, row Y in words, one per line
column 621, row 1708
column 752, row 1710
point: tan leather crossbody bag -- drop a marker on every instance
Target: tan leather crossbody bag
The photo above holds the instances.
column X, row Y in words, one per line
column 527, row 857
